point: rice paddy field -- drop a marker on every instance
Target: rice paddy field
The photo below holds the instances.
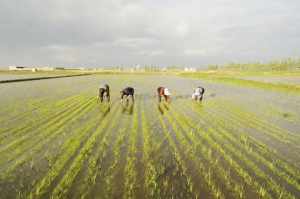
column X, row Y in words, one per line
column 56, row 141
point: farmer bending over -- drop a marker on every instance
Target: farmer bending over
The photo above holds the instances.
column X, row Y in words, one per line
column 127, row 92
column 198, row 93
column 104, row 92
column 163, row 92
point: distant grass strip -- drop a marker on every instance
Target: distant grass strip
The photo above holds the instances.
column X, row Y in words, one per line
column 40, row 78
column 295, row 89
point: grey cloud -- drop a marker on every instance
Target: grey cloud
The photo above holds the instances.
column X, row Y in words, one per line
column 116, row 32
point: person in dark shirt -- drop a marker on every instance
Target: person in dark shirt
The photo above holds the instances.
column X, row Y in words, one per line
column 104, row 92
column 127, row 92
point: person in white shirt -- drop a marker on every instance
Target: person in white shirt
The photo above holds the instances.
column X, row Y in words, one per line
column 198, row 93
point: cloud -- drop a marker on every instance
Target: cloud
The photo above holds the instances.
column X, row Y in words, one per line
column 119, row 32
column 195, row 52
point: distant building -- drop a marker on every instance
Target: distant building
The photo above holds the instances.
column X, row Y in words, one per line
column 74, row 68
column 164, row 69
column 22, row 68
column 187, row 69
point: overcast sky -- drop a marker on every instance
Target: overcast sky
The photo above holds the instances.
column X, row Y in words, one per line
column 156, row 32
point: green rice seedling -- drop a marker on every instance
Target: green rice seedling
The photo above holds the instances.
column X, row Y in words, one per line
column 69, row 148
column 206, row 153
column 176, row 151
column 62, row 188
column 272, row 185
column 95, row 162
column 109, row 175
column 258, row 157
column 58, row 121
column 55, row 110
column 37, row 147
column 131, row 181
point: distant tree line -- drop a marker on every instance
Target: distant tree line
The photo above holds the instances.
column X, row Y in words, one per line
column 275, row 65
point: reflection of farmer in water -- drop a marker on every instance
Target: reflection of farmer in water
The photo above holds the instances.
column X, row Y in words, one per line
column 126, row 93
column 163, row 92
column 127, row 108
column 104, row 92
column 198, row 93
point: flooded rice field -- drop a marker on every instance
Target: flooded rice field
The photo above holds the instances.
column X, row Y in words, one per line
column 57, row 141
column 293, row 80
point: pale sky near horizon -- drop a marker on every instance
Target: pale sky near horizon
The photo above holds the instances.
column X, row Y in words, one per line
column 153, row 32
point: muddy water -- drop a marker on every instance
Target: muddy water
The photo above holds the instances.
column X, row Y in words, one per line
column 270, row 109
column 276, row 80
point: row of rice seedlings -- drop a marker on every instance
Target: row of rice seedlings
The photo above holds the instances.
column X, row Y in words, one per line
column 107, row 177
column 188, row 151
column 242, row 143
column 25, row 143
column 273, row 131
column 161, row 166
column 19, row 165
column 271, row 111
column 205, row 135
column 221, row 174
column 18, row 155
column 272, row 185
column 261, row 148
column 16, row 112
column 113, row 178
column 63, row 186
column 151, row 175
column 50, row 113
column 156, row 152
column 131, row 175
column 180, row 150
column 218, row 136
column 155, row 143
column 68, row 150
column 96, row 161
column 10, row 169
column 262, row 155
column 12, row 137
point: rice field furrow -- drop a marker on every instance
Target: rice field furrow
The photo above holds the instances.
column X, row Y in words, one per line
column 230, row 149
column 40, row 146
column 260, row 151
column 265, row 165
column 14, row 132
column 42, row 105
column 264, row 153
column 13, row 136
column 221, row 174
column 103, row 183
column 180, row 156
column 29, row 143
column 264, row 127
column 205, row 133
column 95, row 165
column 69, row 176
column 131, row 175
column 68, row 152
column 58, row 141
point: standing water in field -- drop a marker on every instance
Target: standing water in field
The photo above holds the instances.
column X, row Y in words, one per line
column 61, row 143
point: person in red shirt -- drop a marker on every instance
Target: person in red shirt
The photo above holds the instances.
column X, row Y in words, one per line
column 164, row 92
